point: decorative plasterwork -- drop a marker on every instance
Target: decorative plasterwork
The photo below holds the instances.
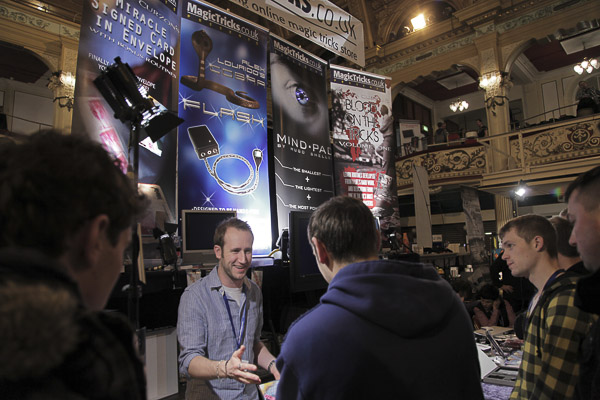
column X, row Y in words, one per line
column 46, row 25
column 443, row 164
column 563, row 143
column 481, row 30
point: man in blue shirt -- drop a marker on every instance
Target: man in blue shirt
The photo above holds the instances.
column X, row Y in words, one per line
column 220, row 321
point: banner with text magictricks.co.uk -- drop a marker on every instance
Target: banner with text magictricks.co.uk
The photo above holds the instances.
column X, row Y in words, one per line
column 145, row 35
column 363, row 141
column 223, row 160
column 302, row 152
column 319, row 21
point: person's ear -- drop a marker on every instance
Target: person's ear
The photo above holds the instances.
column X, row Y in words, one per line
column 321, row 253
column 94, row 238
column 218, row 251
column 538, row 243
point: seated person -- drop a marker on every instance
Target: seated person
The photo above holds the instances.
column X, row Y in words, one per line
column 464, row 289
column 492, row 309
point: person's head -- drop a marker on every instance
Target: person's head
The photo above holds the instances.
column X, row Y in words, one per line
column 563, row 230
column 479, row 122
column 583, row 200
column 64, row 196
column 233, row 248
column 439, row 124
column 525, row 240
column 342, row 231
column 583, row 84
column 487, row 295
column 463, row 288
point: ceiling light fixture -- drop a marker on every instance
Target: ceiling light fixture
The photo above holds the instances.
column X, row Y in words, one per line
column 521, row 190
column 588, row 65
column 418, row 22
column 459, row 105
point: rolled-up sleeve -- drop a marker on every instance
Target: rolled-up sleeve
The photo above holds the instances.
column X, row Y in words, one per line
column 191, row 330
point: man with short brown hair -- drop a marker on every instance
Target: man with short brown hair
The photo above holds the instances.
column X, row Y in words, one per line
column 555, row 327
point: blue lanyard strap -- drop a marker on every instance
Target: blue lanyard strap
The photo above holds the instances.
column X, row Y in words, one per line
column 553, row 278
column 238, row 339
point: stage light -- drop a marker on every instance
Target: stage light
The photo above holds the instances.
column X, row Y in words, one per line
column 119, row 87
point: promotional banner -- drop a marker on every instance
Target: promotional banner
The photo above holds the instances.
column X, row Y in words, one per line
column 223, row 100
column 319, row 21
column 145, row 35
column 363, row 141
column 302, row 152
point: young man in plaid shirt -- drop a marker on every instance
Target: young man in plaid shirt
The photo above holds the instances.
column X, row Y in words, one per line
column 555, row 327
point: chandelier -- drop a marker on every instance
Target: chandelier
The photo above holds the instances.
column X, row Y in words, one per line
column 588, row 65
column 459, row 105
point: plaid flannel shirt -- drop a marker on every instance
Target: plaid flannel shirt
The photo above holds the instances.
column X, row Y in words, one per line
column 555, row 330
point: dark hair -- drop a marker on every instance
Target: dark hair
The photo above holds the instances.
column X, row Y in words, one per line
column 532, row 225
column 563, row 230
column 439, row 124
column 463, row 288
column 488, row 292
column 52, row 184
column 588, row 185
column 221, row 229
column 346, row 227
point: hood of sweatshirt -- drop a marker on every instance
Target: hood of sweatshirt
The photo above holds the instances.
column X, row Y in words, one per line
column 413, row 292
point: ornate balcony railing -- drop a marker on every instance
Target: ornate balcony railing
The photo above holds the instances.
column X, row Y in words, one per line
column 570, row 141
column 542, row 145
column 452, row 162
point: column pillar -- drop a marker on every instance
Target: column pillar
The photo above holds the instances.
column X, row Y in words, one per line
column 504, row 211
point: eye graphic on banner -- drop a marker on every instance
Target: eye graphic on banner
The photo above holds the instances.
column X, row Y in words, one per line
column 203, row 45
column 206, row 146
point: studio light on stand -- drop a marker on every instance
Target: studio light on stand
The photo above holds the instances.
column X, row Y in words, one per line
column 120, row 88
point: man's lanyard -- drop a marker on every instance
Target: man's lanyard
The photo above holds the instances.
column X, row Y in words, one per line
column 238, row 339
column 546, row 286
column 553, row 278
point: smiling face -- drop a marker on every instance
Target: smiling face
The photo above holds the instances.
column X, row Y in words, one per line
column 235, row 256
column 586, row 226
column 521, row 256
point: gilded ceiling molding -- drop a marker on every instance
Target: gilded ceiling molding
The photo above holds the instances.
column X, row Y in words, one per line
column 34, row 21
column 408, row 59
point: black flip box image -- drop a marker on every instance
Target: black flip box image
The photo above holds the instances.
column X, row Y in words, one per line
column 203, row 141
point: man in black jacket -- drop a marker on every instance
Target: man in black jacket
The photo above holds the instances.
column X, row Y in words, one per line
column 66, row 212
column 583, row 199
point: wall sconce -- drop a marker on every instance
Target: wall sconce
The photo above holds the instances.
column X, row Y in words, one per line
column 64, row 84
column 492, row 82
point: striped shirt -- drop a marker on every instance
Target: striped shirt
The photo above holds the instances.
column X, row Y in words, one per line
column 204, row 329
